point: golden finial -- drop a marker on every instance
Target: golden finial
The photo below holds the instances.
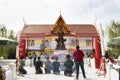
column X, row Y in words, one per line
column 60, row 11
column 24, row 21
column 95, row 20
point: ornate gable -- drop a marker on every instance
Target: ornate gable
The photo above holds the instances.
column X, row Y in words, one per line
column 60, row 23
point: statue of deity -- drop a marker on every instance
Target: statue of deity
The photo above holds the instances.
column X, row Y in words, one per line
column 60, row 40
column 60, row 34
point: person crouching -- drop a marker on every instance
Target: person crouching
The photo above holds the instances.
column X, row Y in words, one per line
column 56, row 66
column 68, row 66
column 38, row 65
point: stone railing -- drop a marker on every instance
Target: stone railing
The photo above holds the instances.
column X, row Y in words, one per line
column 113, row 70
column 10, row 69
column 6, row 61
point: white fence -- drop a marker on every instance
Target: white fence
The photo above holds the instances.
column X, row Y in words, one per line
column 10, row 68
column 113, row 71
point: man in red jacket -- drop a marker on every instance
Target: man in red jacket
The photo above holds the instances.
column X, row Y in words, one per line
column 78, row 56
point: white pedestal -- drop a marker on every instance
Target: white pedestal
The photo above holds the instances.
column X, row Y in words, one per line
column 61, row 57
column 60, row 52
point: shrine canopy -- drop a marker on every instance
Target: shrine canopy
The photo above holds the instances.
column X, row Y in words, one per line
column 6, row 41
column 60, row 23
column 114, row 43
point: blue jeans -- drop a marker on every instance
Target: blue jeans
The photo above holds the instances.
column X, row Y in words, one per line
column 47, row 70
column 81, row 64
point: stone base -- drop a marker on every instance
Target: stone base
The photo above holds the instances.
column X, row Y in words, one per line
column 61, row 54
column 60, row 51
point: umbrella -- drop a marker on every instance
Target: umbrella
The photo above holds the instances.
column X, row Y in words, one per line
column 6, row 41
column 114, row 43
column 61, row 57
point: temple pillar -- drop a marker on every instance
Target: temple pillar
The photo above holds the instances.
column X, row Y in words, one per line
column 97, row 55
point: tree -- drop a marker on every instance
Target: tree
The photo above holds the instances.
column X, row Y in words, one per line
column 113, row 31
column 3, row 31
column 11, row 36
column 6, row 49
column 12, row 53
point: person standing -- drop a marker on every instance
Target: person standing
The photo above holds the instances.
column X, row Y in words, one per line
column 30, row 57
column 34, row 58
column 78, row 56
column 88, row 59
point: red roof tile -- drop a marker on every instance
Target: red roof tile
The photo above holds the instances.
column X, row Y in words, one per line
column 36, row 28
column 81, row 29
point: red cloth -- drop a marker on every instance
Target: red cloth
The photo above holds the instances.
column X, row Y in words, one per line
column 78, row 55
column 111, row 59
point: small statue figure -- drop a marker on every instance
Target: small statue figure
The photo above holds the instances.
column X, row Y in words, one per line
column 60, row 40
column 60, row 34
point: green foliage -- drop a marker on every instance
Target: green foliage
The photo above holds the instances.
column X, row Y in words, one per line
column 113, row 30
column 11, row 36
column 3, row 31
column 112, row 52
column 12, row 53
column 107, row 53
column 116, row 52
column 4, row 50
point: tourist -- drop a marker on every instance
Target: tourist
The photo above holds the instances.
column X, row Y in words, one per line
column 34, row 58
column 42, row 56
column 56, row 66
column 78, row 56
column 38, row 65
column 30, row 57
column 48, row 66
column 68, row 66
column 88, row 58
column 21, row 67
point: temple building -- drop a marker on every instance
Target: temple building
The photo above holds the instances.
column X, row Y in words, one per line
column 41, row 37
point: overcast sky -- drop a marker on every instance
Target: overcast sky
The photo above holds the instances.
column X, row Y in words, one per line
column 12, row 12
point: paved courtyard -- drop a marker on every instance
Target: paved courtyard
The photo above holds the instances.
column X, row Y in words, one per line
column 90, row 73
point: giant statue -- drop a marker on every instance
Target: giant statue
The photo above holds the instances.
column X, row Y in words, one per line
column 60, row 40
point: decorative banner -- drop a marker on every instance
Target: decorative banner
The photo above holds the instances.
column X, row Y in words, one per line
column 22, row 48
column 51, row 43
column 70, row 42
column 85, row 42
column 35, row 44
